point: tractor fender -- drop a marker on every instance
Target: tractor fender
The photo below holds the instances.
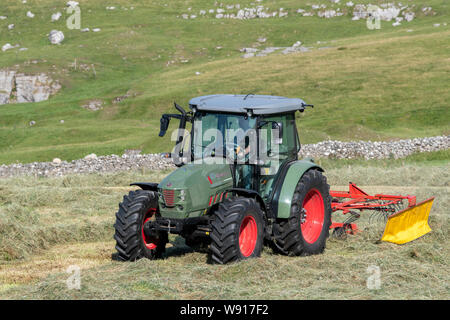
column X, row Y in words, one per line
column 151, row 186
column 249, row 194
column 282, row 200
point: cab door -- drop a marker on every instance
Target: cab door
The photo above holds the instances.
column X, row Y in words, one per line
column 278, row 145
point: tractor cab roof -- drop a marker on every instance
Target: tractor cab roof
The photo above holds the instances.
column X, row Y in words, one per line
column 257, row 104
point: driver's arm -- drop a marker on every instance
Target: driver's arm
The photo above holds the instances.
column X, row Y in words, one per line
column 246, row 150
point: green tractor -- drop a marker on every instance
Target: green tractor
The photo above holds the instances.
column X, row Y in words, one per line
column 239, row 185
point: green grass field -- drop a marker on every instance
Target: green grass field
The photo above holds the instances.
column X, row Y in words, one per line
column 73, row 226
column 370, row 84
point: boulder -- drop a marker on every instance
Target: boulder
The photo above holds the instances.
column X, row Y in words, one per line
column 7, row 47
column 56, row 37
column 409, row 16
column 56, row 16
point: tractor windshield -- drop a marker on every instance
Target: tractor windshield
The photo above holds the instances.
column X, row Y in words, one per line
column 213, row 133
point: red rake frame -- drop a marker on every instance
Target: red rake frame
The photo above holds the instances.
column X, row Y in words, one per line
column 360, row 200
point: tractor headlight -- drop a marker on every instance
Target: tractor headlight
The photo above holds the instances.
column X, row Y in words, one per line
column 182, row 195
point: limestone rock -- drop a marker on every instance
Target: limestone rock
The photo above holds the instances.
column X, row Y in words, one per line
column 72, row 4
column 7, row 47
column 56, row 37
column 6, row 85
column 35, row 88
column 93, row 105
column 91, row 156
column 56, row 16
column 28, row 88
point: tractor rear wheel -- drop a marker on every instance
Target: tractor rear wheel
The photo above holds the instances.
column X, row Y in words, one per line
column 136, row 209
column 306, row 230
column 237, row 230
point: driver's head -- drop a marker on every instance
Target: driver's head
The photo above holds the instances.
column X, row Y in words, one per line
column 244, row 123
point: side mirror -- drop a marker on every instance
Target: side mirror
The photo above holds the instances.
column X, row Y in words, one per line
column 164, row 125
column 278, row 126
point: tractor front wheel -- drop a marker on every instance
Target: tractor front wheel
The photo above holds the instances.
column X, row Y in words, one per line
column 306, row 230
column 136, row 209
column 237, row 230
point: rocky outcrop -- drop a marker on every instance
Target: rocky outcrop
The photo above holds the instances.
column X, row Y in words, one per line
column 35, row 88
column 20, row 88
column 6, row 85
column 254, row 52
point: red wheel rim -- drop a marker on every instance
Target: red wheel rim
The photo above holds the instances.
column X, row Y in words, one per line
column 313, row 216
column 149, row 242
column 248, row 235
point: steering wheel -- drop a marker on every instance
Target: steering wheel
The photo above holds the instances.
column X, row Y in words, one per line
column 233, row 151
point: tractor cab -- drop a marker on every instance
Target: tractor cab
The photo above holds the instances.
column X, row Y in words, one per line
column 254, row 135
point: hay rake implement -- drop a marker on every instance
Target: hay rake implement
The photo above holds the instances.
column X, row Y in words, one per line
column 406, row 220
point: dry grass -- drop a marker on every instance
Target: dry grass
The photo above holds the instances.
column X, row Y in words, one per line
column 56, row 259
column 48, row 211
column 73, row 226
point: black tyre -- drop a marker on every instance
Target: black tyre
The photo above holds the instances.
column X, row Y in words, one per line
column 306, row 230
column 237, row 231
column 131, row 243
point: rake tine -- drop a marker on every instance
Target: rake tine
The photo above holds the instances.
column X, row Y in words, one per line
column 396, row 211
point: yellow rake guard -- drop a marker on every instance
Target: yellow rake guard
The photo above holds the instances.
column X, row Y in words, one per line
column 409, row 224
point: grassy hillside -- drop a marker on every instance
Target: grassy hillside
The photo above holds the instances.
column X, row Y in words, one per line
column 74, row 227
column 380, row 84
